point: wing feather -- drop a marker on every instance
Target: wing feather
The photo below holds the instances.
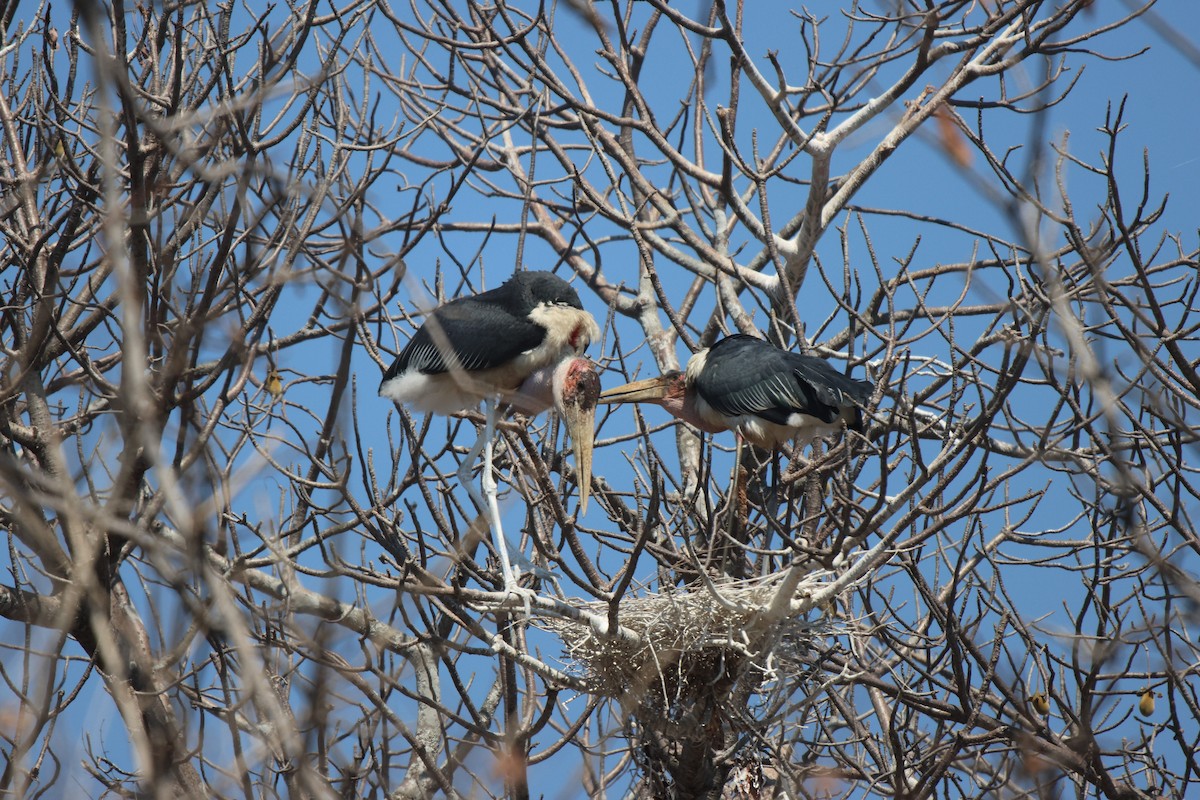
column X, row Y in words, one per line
column 744, row 375
column 475, row 335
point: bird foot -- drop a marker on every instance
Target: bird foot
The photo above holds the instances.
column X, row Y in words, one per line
column 524, row 566
column 526, row 597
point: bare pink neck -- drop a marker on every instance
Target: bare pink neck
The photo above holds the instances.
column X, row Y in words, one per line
column 683, row 407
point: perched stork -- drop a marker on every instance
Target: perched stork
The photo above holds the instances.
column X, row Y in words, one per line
column 768, row 396
column 520, row 345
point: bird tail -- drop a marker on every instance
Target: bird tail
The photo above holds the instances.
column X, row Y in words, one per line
column 832, row 387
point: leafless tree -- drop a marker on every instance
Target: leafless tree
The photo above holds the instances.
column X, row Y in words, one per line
column 235, row 571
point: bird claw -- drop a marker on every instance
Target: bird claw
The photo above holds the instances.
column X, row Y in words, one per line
column 527, row 597
column 525, row 566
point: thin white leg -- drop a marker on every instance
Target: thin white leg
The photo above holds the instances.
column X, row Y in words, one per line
column 490, row 507
column 489, row 490
column 464, row 471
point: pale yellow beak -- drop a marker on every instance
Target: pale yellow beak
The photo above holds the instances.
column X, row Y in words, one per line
column 649, row 390
column 581, row 427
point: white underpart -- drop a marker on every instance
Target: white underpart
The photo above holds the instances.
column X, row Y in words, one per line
column 444, row 393
column 770, row 435
column 542, row 389
column 800, row 427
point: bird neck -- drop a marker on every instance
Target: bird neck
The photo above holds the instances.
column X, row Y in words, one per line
column 568, row 330
column 685, row 407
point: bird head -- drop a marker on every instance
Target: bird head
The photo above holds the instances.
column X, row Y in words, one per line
column 551, row 302
column 672, row 391
column 572, row 386
column 665, row 390
column 537, row 288
column 576, row 392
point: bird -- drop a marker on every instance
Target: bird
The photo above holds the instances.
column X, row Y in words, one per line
column 274, row 384
column 767, row 395
column 518, row 346
column 1146, row 702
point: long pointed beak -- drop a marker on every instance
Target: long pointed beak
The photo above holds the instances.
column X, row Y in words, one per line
column 649, row 390
column 580, row 416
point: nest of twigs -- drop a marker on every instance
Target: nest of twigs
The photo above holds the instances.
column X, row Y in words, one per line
column 689, row 634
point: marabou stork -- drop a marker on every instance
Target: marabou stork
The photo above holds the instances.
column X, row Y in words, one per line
column 768, row 396
column 519, row 345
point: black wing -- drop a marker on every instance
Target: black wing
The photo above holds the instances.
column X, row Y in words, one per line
column 478, row 336
column 744, row 375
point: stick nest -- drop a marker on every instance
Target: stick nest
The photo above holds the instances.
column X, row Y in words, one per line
column 687, row 633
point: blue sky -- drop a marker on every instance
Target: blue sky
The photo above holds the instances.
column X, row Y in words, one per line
column 1162, row 117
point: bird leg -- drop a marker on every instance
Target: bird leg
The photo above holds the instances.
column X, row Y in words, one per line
column 489, row 490
column 773, row 497
column 464, row 472
column 489, row 503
